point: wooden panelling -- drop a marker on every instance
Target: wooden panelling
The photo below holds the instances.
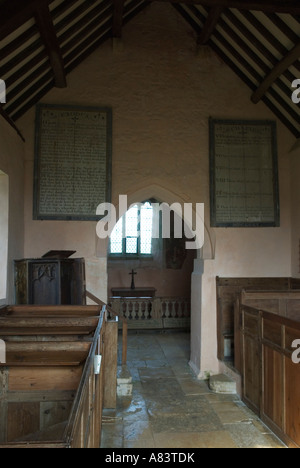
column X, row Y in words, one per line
column 53, row 282
column 110, row 376
column 291, row 335
column 56, row 378
column 22, row 419
column 271, row 381
column 292, row 400
column 273, row 392
column 252, row 372
column 272, row 332
column 229, row 289
column 251, row 324
column 293, row 309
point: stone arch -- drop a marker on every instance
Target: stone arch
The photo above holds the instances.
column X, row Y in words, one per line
column 165, row 195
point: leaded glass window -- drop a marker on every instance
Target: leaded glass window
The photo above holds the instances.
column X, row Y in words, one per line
column 132, row 234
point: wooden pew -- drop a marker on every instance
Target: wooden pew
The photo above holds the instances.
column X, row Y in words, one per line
column 228, row 290
column 271, row 380
column 50, row 395
column 283, row 303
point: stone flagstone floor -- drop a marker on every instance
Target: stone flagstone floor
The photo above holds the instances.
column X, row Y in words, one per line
column 171, row 409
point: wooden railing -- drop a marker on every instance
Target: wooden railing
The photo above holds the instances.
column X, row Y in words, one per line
column 84, row 425
column 271, row 380
column 113, row 313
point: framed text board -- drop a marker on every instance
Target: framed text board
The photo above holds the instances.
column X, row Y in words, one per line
column 244, row 187
column 73, row 162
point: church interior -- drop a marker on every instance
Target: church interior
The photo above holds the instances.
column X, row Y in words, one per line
column 173, row 105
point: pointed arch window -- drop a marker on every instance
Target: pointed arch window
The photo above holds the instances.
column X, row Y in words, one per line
column 132, row 235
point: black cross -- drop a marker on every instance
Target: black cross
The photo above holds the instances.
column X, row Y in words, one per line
column 132, row 281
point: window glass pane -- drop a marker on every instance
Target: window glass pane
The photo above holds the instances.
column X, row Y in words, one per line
column 131, row 245
column 137, row 224
column 132, row 222
column 116, row 239
column 146, row 228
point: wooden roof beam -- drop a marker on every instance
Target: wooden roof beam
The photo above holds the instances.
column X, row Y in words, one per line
column 276, row 72
column 14, row 13
column 268, row 6
column 118, row 18
column 11, row 122
column 48, row 35
column 210, row 24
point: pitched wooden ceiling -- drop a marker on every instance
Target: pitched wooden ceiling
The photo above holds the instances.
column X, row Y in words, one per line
column 42, row 41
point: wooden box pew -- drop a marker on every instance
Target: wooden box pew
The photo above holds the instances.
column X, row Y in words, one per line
column 50, row 395
column 228, row 290
column 283, row 303
column 271, row 377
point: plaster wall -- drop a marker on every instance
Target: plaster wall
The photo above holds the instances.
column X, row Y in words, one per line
column 4, row 197
column 162, row 91
column 295, row 203
column 12, row 209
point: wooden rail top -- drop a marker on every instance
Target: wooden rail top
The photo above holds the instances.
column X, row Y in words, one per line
column 255, row 311
column 289, row 294
column 101, row 304
column 51, row 311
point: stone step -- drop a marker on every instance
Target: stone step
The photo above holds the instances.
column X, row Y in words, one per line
column 124, row 382
column 222, row 384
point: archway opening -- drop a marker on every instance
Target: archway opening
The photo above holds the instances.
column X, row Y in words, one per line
column 150, row 272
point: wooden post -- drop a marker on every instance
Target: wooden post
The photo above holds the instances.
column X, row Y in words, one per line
column 3, row 403
column 124, row 343
column 110, row 364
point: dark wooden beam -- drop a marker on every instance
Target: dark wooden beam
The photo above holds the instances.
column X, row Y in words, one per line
column 48, row 35
column 14, row 13
column 276, row 72
column 210, row 24
column 118, row 18
column 270, row 6
column 11, row 122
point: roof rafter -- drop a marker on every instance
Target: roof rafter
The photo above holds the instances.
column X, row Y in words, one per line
column 276, row 72
column 10, row 122
column 269, row 6
column 48, row 35
column 14, row 13
column 118, row 18
column 211, row 22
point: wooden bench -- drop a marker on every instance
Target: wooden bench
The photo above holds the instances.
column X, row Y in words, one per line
column 271, row 381
column 50, row 395
column 228, row 289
